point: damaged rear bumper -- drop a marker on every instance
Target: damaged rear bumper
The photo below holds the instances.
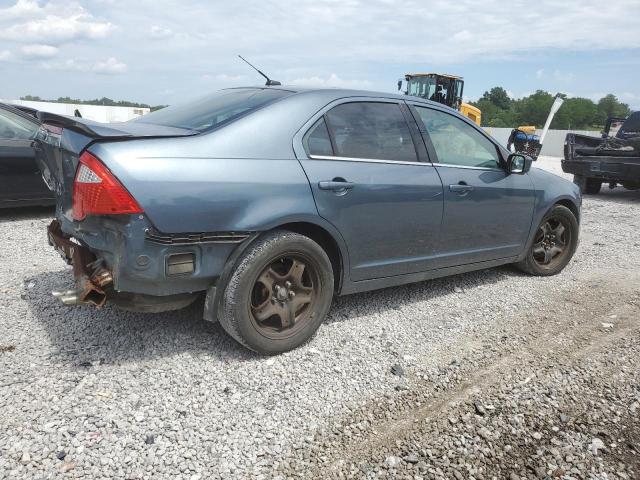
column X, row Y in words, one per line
column 124, row 262
column 92, row 278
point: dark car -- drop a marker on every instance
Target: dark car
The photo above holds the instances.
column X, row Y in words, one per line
column 21, row 182
column 612, row 159
column 273, row 200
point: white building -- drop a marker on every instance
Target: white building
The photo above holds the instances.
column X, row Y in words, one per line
column 98, row 113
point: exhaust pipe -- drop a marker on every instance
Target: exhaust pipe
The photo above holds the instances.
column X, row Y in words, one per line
column 82, row 296
column 91, row 277
column 68, row 297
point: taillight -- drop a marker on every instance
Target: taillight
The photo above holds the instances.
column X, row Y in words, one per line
column 96, row 191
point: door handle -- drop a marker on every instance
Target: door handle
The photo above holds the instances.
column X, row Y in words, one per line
column 335, row 185
column 461, row 188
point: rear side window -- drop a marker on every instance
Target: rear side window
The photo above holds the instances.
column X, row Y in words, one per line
column 214, row 110
column 317, row 140
column 371, row 130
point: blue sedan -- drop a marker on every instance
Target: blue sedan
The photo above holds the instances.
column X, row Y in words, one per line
column 268, row 201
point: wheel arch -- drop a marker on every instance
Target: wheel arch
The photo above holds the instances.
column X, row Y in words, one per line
column 567, row 202
column 570, row 204
column 323, row 237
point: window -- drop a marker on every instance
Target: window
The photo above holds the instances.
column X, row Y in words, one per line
column 456, row 142
column 317, row 140
column 15, row 127
column 214, row 110
column 371, row 130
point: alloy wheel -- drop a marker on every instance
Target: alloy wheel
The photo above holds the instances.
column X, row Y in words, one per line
column 552, row 242
column 284, row 296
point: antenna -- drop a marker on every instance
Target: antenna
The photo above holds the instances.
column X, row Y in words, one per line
column 270, row 83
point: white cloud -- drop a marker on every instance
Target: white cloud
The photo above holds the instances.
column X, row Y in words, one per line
column 157, row 31
column 564, row 77
column 110, row 66
column 223, row 78
column 462, row 36
column 5, row 55
column 344, row 43
column 332, row 80
column 39, row 51
column 21, row 9
column 52, row 23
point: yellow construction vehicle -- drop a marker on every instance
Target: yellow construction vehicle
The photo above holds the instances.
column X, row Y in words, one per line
column 441, row 88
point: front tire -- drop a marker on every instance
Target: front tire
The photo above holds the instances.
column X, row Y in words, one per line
column 588, row 186
column 279, row 293
column 554, row 244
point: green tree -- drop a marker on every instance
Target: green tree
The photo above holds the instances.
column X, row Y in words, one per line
column 97, row 101
column 610, row 106
column 534, row 109
column 577, row 114
column 499, row 97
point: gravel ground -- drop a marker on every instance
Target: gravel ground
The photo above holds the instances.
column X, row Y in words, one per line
column 491, row 374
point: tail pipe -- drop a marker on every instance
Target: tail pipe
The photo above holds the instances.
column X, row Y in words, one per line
column 92, row 279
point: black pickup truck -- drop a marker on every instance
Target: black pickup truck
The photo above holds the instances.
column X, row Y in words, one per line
column 612, row 159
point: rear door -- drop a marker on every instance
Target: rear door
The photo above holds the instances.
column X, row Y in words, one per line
column 20, row 177
column 487, row 212
column 371, row 181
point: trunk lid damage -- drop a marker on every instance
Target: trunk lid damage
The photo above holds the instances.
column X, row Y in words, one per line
column 59, row 143
column 61, row 140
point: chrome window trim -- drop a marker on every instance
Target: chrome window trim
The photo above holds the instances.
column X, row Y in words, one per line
column 467, row 166
column 366, row 160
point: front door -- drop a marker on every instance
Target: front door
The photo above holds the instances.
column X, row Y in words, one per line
column 487, row 212
column 368, row 181
column 20, row 178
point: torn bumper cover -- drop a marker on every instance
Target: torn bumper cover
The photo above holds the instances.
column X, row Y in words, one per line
column 92, row 279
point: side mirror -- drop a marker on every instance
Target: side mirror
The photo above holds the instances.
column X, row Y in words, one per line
column 518, row 163
column 399, row 84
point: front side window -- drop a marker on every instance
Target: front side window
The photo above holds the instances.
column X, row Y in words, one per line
column 15, row 127
column 371, row 130
column 456, row 142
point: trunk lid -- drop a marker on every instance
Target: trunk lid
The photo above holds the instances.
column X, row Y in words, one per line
column 62, row 139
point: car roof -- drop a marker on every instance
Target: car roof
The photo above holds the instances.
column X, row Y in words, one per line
column 338, row 93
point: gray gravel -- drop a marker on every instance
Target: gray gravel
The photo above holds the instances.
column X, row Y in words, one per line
column 393, row 385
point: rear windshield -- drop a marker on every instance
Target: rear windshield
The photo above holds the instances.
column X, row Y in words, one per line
column 207, row 113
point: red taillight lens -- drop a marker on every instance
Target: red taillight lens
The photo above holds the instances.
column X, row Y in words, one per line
column 97, row 192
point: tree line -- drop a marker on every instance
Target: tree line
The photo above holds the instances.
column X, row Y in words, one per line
column 500, row 110
column 98, row 101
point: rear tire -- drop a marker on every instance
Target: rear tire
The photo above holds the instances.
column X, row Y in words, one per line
column 278, row 294
column 588, row 186
column 554, row 244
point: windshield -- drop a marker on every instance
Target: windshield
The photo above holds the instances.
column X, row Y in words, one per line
column 207, row 113
column 424, row 87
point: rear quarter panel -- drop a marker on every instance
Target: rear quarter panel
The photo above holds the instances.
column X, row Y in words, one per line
column 244, row 176
column 181, row 195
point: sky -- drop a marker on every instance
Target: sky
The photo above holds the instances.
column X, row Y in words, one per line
column 163, row 51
